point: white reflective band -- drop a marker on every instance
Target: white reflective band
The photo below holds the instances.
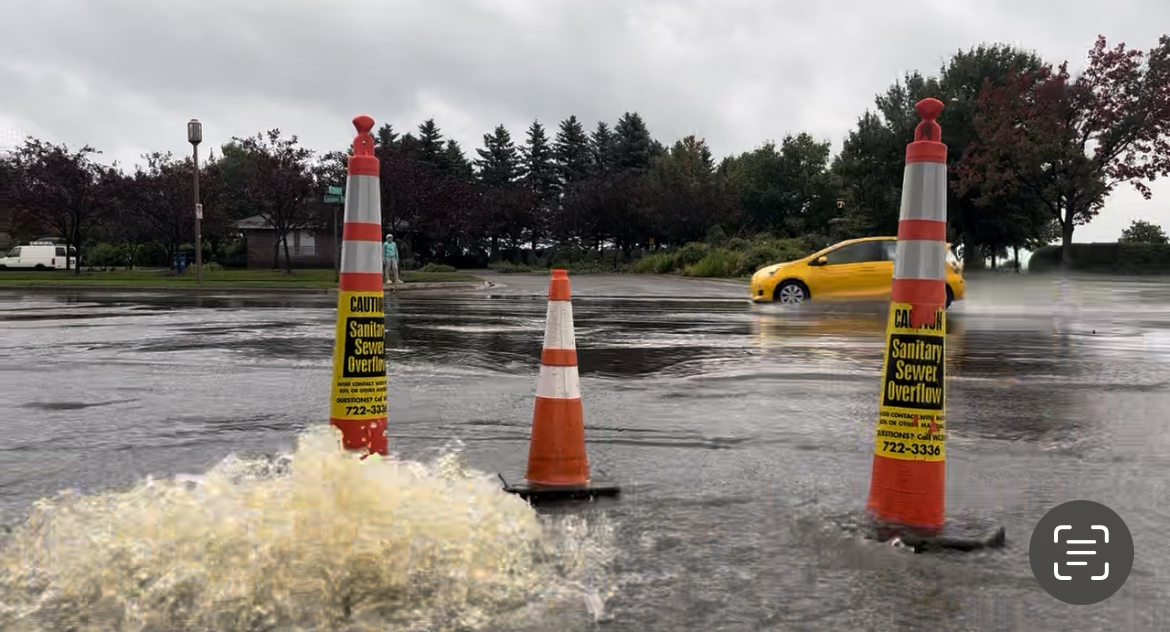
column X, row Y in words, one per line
column 561, row 382
column 363, row 200
column 558, row 330
column 924, row 191
column 361, row 256
column 921, row 259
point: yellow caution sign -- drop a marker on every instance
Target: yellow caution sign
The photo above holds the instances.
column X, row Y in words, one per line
column 359, row 367
column 912, row 421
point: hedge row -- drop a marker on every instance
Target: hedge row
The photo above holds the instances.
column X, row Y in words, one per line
column 1108, row 258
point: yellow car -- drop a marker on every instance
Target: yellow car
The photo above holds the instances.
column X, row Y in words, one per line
column 857, row 269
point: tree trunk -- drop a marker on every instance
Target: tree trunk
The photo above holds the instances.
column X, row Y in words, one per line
column 287, row 257
column 1016, row 258
column 1066, row 236
column 276, row 252
column 77, row 259
column 971, row 258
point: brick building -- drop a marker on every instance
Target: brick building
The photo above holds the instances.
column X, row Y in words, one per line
column 307, row 248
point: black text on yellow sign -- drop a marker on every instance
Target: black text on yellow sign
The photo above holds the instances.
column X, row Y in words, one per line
column 359, row 357
column 912, row 417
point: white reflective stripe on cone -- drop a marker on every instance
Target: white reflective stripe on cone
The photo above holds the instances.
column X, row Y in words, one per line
column 562, row 382
column 558, row 332
column 361, row 256
column 921, row 259
column 363, row 200
column 924, row 191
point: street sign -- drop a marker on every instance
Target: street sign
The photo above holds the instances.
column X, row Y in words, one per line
column 334, row 199
column 335, row 191
column 198, row 211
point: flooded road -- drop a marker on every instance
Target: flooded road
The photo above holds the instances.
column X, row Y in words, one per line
column 742, row 437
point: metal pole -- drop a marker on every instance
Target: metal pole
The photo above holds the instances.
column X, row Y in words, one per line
column 198, row 221
column 336, row 249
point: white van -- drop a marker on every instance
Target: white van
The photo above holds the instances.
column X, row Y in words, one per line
column 39, row 255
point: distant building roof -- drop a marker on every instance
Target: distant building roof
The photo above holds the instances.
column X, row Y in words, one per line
column 258, row 222
column 255, row 222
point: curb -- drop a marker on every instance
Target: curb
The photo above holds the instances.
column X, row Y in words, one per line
column 406, row 287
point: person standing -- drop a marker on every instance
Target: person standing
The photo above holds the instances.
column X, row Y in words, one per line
column 390, row 260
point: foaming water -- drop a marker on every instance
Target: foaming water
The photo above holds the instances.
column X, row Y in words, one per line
column 312, row 540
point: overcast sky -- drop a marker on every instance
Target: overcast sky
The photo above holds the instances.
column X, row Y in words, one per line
column 126, row 75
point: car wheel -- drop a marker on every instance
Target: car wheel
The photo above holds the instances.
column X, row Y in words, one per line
column 950, row 297
column 791, row 293
column 40, row 267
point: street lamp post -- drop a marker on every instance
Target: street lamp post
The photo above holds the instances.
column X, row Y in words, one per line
column 836, row 223
column 195, row 136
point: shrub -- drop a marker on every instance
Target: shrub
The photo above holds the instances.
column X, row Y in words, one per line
column 691, row 253
column 1113, row 258
column 719, row 262
column 656, row 263
column 716, row 236
column 437, row 267
column 507, row 267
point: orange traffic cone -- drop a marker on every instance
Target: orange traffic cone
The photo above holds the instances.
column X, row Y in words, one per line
column 558, row 467
column 357, row 404
column 908, row 484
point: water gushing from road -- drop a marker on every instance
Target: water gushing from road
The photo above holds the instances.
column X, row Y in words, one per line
column 312, row 540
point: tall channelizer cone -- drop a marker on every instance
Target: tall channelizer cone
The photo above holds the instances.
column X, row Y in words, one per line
column 908, row 485
column 357, row 405
column 558, row 467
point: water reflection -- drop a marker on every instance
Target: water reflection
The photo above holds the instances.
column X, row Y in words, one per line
column 614, row 339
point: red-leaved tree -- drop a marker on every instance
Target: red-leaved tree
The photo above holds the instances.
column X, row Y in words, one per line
column 1069, row 142
column 66, row 191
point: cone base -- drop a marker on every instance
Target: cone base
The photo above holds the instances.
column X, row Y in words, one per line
column 534, row 492
column 925, row 544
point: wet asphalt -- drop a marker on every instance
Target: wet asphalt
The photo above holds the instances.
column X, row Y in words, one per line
column 742, row 435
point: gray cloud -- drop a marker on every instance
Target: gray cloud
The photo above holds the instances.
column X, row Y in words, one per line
column 125, row 75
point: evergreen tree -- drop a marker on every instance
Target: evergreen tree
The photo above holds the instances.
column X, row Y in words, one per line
column 455, row 162
column 601, row 148
column 430, row 144
column 499, row 159
column 386, row 137
column 571, row 150
column 634, row 149
column 538, row 170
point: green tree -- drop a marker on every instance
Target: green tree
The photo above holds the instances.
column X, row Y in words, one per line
column 634, row 148
column 539, row 175
column 278, row 184
column 499, row 159
column 67, row 191
column 385, row 138
column 430, row 148
column 810, row 190
column 572, row 152
column 1143, row 232
column 872, row 163
column 504, row 214
column 455, row 162
column 784, row 190
column 685, row 195
column 602, row 148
